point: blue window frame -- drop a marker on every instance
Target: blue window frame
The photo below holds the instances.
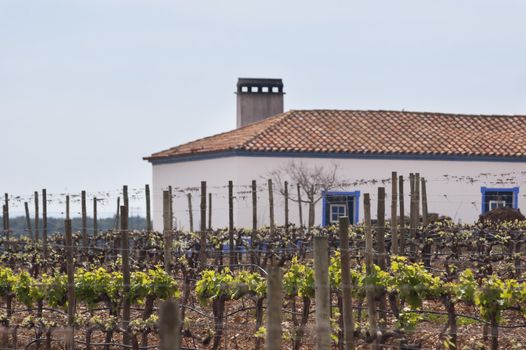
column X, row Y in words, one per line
column 499, row 197
column 337, row 204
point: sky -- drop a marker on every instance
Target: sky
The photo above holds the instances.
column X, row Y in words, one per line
column 87, row 88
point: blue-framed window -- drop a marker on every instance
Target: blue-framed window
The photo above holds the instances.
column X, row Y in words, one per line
column 493, row 198
column 338, row 204
column 336, row 211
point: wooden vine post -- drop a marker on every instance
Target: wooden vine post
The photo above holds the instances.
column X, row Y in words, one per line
column 6, row 215
column 401, row 217
column 95, row 224
column 412, row 214
column 28, row 221
column 425, row 214
column 125, row 199
column 381, row 251
column 170, row 325
column 70, row 334
column 167, row 230
column 417, row 209
column 202, row 208
column 394, row 223
column 274, row 300
column 37, row 233
column 380, row 230
column 254, row 222
column 210, row 211
column 370, row 290
column 190, row 213
column 271, row 205
column 125, row 251
column 311, row 209
column 202, row 236
column 67, row 207
column 231, row 247
column 417, row 201
column 286, row 195
column 322, row 293
column 300, row 209
column 348, row 325
column 171, row 210
column 44, row 222
column 148, row 209
column 84, row 222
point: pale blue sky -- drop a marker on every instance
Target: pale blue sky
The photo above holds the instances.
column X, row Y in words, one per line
column 87, row 88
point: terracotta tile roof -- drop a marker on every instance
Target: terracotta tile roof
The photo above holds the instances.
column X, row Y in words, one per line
column 369, row 132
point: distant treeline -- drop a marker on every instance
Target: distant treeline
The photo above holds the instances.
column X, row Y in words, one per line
column 18, row 225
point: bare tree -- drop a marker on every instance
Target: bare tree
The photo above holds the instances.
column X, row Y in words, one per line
column 313, row 181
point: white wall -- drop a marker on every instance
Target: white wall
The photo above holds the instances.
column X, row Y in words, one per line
column 453, row 187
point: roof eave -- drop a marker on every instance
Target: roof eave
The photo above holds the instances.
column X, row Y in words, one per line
column 340, row 155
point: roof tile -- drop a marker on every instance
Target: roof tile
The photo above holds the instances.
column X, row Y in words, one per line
column 366, row 132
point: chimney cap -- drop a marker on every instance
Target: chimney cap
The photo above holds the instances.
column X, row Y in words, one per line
column 259, row 82
column 259, row 85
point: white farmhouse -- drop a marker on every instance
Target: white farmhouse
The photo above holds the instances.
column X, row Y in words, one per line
column 472, row 163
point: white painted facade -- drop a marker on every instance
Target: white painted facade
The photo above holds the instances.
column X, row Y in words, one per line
column 453, row 186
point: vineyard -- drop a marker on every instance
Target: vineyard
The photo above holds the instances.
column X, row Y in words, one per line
column 417, row 284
